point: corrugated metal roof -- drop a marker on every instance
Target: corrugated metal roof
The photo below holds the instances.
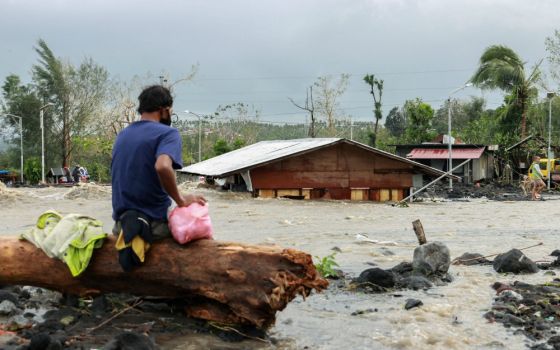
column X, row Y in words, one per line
column 265, row 152
column 439, row 153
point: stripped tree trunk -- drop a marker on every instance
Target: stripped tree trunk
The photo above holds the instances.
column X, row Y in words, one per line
column 224, row 282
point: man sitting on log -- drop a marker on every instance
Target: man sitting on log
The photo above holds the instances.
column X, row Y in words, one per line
column 145, row 155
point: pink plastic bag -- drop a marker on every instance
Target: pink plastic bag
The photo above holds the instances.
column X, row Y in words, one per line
column 190, row 223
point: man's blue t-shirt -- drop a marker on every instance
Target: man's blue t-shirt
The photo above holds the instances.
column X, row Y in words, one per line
column 135, row 181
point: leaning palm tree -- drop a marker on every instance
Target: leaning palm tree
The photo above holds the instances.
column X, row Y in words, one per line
column 501, row 68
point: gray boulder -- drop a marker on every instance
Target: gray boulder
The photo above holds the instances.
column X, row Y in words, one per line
column 431, row 259
column 514, row 261
column 378, row 277
column 415, row 283
column 7, row 307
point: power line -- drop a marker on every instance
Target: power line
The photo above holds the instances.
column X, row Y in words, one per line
column 210, row 78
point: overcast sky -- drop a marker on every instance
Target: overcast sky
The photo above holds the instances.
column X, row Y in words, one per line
column 261, row 52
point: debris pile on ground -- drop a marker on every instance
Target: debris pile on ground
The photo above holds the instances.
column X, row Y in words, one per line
column 469, row 259
column 484, row 189
column 9, row 195
column 89, row 191
column 37, row 318
column 532, row 310
column 187, row 186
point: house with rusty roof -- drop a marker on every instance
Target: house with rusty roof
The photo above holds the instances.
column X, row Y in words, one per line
column 315, row 168
column 436, row 155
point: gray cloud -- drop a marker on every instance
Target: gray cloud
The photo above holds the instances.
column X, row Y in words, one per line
column 261, row 52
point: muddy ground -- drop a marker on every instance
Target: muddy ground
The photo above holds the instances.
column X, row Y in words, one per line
column 451, row 317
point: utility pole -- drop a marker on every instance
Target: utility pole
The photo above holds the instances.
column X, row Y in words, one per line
column 550, row 96
column 450, row 140
column 199, row 133
column 42, row 124
column 351, row 129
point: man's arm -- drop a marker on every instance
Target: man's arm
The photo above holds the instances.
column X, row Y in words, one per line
column 166, row 174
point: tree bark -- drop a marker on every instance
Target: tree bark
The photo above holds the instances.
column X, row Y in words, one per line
column 225, row 282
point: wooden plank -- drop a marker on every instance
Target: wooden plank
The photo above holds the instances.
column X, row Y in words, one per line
column 384, row 195
column 267, row 194
column 287, row 192
column 419, row 231
column 306, row 193
column 374, row 195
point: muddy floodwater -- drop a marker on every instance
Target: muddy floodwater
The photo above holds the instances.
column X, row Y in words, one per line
column 452, row 315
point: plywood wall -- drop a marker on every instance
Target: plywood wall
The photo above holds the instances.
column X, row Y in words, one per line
column 341, row 166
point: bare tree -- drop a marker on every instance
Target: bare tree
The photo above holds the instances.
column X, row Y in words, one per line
column 327, row 103
column 310, row 107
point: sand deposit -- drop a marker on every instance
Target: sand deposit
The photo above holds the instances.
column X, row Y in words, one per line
column 89, row 191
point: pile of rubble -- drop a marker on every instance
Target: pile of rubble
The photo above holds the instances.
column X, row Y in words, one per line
column 490, row 190
column 89, row 191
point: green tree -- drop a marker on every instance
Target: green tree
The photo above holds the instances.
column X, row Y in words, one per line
column 373, row 85
column 462, row 113
column 78, row 93
column 395, row 122
column 501, row 68
column 220, row 147
column 22, row 100
column 419, row 117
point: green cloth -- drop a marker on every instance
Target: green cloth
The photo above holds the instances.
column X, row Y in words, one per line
column 70, row 238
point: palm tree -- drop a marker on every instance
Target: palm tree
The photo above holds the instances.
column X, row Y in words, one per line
column 501, row 68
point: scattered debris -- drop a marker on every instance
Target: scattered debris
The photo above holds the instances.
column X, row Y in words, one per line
column 88, row 191
column 8, row 195
column 531, row 310
column 470, row 259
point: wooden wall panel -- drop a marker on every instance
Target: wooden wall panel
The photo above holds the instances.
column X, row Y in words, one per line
column 328, row 168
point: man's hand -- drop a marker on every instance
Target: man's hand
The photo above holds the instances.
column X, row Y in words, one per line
column 190, row 199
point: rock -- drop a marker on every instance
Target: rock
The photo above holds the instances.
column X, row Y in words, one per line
column 361, row 312
column 412, row 303
column 67, row 320
column 470, row 259
column 130, row 341
column 514, row 320
column 5, row 295
column 431, row 259
column 415, row 282
column 403, row 268
column 514, row 261
column 18, row 322
column 99, row 305
column 39, row 341
column 7, row 307
column 378, row 277
column 509, row 294
column 555, row 253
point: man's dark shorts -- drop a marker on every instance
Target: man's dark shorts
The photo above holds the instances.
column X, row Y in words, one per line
column 160, row 229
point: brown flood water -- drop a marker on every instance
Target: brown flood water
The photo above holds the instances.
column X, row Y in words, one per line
column 451, row 317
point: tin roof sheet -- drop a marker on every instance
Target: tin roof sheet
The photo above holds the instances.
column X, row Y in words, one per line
column 443, row 153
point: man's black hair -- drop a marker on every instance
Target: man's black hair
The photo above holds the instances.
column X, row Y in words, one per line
column 153, row 98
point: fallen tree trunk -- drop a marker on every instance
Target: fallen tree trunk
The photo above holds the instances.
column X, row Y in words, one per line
column 220, row 281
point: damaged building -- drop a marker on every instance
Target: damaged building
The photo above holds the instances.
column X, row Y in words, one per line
column 315, row 168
